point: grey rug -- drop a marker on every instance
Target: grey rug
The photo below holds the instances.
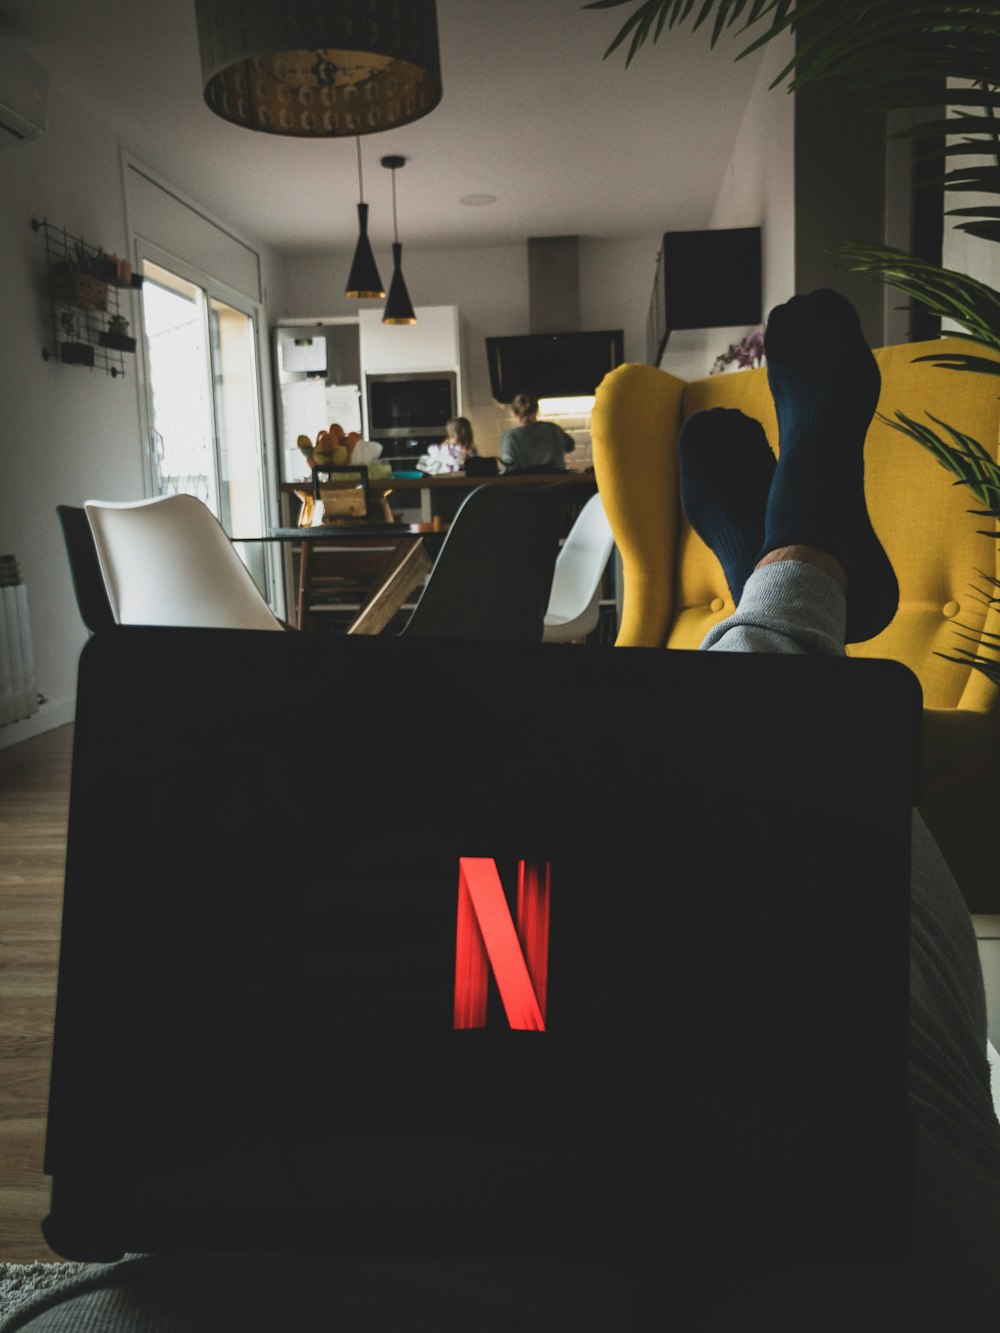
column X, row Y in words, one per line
column 19, row 1282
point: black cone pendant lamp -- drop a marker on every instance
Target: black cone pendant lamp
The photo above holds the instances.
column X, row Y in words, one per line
column 398, row 308
column 363, row 279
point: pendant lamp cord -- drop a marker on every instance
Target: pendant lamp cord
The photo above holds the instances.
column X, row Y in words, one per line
column 361, row 187
column 395, row 229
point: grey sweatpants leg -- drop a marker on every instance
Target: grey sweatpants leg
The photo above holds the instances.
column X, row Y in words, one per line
column 787, row 607
column 952, row 1280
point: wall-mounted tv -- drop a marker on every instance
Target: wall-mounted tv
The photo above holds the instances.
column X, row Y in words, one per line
column 552, row 365
column 704, row 280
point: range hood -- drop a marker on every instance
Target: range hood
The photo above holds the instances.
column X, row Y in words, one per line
column 556, row 358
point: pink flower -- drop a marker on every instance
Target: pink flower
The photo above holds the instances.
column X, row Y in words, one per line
column 747, row 354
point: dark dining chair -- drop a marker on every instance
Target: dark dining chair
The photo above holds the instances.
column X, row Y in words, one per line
column 85, row 569
column 493, row 575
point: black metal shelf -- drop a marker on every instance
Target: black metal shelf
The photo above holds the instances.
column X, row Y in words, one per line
column 82, row 302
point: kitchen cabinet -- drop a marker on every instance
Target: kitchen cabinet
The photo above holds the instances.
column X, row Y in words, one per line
column 431, row 344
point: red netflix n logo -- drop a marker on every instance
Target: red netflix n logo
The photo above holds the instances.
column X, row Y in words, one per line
column 487, row 937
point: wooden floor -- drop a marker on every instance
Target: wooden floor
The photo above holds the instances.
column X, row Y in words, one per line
column 34, row 802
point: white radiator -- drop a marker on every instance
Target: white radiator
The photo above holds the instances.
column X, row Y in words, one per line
column 18, row 695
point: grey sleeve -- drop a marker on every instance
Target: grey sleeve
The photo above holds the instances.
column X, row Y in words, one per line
column 508, row 452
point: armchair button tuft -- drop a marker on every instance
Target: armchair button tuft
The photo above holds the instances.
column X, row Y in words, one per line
column 717, row 604
column 950, row 610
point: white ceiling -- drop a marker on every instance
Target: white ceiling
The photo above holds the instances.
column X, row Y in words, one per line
column 568, row 142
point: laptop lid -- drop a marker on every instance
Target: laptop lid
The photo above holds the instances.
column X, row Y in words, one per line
column 393, row 945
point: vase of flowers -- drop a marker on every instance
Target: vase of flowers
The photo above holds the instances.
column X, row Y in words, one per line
column 747, row 354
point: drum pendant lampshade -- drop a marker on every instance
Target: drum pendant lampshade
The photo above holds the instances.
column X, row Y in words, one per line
column 319, row 68
column 398, row 308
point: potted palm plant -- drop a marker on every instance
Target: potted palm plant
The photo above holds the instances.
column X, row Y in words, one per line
column 887, row 51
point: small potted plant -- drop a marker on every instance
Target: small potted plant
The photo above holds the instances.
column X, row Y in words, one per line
column 95, row 263
column 72, row 351
column 116, row 335
column 78, row 279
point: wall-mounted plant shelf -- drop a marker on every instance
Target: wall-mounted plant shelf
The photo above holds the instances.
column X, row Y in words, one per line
column 85, row 286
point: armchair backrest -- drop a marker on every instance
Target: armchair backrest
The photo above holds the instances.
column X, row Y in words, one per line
column 674, row 589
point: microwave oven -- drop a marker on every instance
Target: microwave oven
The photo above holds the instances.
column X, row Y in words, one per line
column 412, row 405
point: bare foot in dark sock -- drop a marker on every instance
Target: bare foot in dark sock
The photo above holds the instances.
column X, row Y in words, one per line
column 726, row 466
column 825, row 384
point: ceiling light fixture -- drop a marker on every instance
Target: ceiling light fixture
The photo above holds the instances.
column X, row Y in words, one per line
column 398, row 308
column 319, row 68
column 364, row 279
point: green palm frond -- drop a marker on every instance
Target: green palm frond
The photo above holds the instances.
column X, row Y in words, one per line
column 649, row 19
column 984, row 211
column 989, row 666
column 849, row 38
column 986, row 231
column 982, row 178
column 889, row 49
column 984, row 654
column 981, row 365
column 968, row 125
column 969, row 461
column 972, row 465
column 945, row 292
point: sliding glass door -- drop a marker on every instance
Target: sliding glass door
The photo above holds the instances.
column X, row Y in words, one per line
column 204, row 405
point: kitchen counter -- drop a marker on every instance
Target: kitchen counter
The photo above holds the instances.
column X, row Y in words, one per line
column 454, row 484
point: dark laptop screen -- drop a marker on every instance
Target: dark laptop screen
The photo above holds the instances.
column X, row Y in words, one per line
column 379, row 944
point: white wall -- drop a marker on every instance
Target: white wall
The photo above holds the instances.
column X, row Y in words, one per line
column 758, row 190
column 67, row 433
column 489, row 286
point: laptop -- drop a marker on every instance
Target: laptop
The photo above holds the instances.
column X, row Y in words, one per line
column 387, row 945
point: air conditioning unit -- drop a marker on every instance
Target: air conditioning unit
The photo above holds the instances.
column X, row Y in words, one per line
column 24, row 87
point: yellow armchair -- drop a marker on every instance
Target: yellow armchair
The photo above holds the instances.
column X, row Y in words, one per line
column 674, row 590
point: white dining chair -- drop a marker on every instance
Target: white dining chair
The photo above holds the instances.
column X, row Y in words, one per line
column 169, row 561
column 575, row 600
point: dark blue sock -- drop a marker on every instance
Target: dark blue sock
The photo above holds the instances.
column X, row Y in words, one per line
column 825, row 384
column 726, row 466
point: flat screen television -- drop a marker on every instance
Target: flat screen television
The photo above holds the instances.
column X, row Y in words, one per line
column 704, row 280
column 552, row 365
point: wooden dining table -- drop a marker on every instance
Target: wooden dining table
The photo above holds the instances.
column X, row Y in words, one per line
column 448, row 487
column 411, row 548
